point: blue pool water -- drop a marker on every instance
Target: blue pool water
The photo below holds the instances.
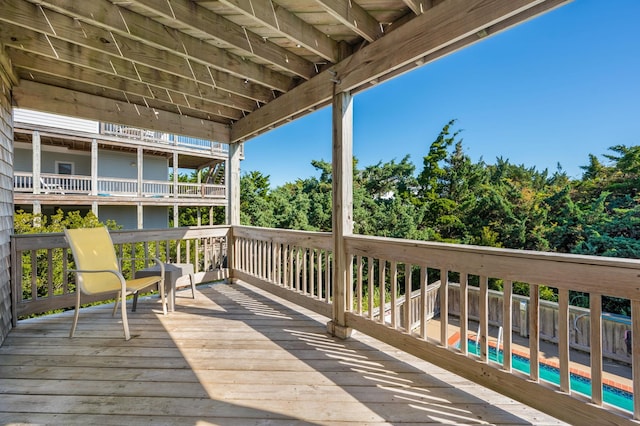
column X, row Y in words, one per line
column 614, row 396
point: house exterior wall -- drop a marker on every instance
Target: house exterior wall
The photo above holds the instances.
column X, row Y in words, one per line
column 126, row 216
column 53, row 120
column 124, row 165
column 6, row 200
column 110, row 164
column 23, row 161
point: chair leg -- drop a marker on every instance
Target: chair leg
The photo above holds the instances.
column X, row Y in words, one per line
column 76, row 314
column 125, row 324
column 192, row 277
column 163, row 297
column 115, row 306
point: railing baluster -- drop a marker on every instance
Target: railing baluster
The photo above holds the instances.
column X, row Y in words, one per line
column 327, row 284
column 484, row 318
column 285, row 265
column 292, row 252
column 408, row 302
column 359, row 270
column 534, row 332
column 595, row 305
column 370, row 269
column 319, row 274
column 394, row 291
column 635, row 350
column 382, row 265
column 507, row 324
column 34, row 274
column 312, row 273
column 65, row 276
column 349, row 294
column 563, row 339
column 279, row 265
column 444, row 307
column 305, row 271
column 423, row 302
column 270, row 261
column 50, row 291
column 464, row 313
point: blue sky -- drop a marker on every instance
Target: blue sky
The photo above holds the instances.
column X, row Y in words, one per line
column 551, row 90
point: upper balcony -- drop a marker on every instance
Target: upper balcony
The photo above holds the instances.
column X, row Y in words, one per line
column 71, row 128
column 70, row 189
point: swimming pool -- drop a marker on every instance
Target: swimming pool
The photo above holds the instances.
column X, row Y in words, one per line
column 611, row 395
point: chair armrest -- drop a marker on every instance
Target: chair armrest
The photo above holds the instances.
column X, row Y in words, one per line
column 118, row 274
column 155, row 259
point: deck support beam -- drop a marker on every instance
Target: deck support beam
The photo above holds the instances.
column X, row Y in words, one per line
column 342, row 219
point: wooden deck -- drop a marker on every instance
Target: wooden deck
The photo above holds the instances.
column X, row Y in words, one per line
column 233, row 356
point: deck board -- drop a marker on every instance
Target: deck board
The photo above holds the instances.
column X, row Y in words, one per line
column 234, row 356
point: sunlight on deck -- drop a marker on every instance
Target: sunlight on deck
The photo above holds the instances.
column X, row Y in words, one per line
column 234, row 355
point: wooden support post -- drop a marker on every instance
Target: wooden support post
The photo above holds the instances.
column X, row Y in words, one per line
column 140, row 171
column 175, row 175
column 342, row 218
column 140, row 215
column 94, row 169
column 36, row 157
column 233, row 203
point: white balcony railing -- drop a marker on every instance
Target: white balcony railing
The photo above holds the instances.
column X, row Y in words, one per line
column 162, row 138
column 108, row 186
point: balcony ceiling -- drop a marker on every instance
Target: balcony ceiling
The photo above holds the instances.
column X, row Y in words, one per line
column 227, row 70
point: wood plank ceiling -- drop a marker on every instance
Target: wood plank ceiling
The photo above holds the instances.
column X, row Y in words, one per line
column 227, row 70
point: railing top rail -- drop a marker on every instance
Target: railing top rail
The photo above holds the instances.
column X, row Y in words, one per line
column 620, row 277
column 321, row 240
column 24, row 242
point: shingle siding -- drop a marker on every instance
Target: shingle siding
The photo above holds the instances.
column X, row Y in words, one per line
column 6, row 202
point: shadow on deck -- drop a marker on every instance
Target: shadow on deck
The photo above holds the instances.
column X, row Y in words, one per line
column 233, row 356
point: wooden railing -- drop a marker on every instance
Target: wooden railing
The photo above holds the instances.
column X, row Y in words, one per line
column 110, row 186
column 295, row 264
column 161, row 138
column 298, row 266
column 165, row 138
column 385, row 270
column 40, row 282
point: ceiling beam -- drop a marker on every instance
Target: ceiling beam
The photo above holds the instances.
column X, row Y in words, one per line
column 194, row 110
column 197, row 17
column 29, row 63
column 354, row 17
column 77, row 104
column 418, row 6
column 270, row 14
column 45, row 56
column 103, row 14
column 58, row 26
column 428, row 34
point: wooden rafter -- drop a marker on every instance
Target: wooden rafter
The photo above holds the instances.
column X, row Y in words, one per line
column 353, row 17
column 122, row 21
column 418, row 6
column 68, row 102
column 184, row 12
column 279, row 19
column 29, row 64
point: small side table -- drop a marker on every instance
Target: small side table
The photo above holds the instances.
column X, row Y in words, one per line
column 172, row 271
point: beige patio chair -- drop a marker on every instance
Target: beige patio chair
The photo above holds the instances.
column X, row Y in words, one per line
column 98, row 272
